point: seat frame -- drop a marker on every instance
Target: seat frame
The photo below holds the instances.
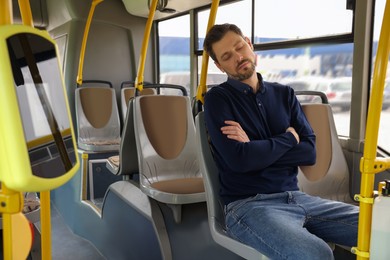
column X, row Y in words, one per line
column 216, row 216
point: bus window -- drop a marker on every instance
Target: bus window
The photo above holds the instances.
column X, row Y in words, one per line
column 226, row 14
column 327, row 63
column 320, row 68
column 174, row 52
column 325, row 18
column 384, row 126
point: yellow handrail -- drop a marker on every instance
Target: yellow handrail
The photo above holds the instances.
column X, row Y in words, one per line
column 6, row 18
column 27, row 19
column 6, row 12
column 11, row 199
column 13, row 203
column 45, row 225
column 369, row 163
column 25, row 12
column 139, row 80
column 79, row 79
column 202, row 88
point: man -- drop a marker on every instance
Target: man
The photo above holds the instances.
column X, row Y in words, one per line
column 260, row 136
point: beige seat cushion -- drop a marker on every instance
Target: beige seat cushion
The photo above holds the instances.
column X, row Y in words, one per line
column 180, row 186
column 317, row 115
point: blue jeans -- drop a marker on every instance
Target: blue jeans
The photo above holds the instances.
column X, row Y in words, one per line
column 292, row 225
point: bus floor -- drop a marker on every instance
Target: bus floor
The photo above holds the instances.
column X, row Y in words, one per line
column 65, row 244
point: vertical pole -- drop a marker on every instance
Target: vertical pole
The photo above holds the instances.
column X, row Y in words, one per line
column 202, row 89
column 84, row 42
column 6, row 12
column 7, row 224
column 139, row 81
column 6, row 18
column 25, row 11
column 45, row 225
column 369, row 162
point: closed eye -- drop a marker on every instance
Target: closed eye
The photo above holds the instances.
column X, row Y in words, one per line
column 226, row 57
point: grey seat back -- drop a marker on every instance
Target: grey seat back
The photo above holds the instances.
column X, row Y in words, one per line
column 128, row 93
column 214, row 204
column 97, row 117
column 165, row 138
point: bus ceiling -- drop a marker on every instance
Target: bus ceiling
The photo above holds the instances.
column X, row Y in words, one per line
column 165, row 8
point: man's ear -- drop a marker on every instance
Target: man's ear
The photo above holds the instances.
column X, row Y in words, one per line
column 219, row 66
column 249, row 42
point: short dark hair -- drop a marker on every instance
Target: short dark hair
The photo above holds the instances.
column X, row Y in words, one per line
column 215, row 34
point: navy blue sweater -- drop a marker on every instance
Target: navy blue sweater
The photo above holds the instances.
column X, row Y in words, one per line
column 269, row 162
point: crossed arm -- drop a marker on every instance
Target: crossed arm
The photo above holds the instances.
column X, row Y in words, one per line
column 234, row 131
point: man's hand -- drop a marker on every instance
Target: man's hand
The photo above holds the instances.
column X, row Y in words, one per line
column 292, row 130
column 234, row 131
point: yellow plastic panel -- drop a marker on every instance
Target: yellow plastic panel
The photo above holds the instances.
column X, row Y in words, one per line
column 19, row 137
column 21, row 236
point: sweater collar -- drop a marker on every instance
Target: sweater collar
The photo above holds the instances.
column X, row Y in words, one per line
column 245, row 88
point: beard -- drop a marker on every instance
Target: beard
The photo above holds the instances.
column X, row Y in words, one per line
column 247, row 71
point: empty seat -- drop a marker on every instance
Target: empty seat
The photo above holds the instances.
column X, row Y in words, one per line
column 126, row 163
column 165, row 138
column 214, row 203
column 128, row 93
column 97, row 118
column 329, row 176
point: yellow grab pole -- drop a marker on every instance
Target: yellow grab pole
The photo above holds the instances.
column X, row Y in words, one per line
column 45, row 225
column 25, row 11
column 79, row 79
column 369, row 164
column 11, row 203
column 6, row 12
column 5, row 19
column 202, row 89
column 7, row 227
column 139, row 80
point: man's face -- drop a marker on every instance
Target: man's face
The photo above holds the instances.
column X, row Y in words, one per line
column 235, row 56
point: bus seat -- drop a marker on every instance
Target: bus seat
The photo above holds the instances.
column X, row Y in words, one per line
column 128, row 93
column 126, row 163
column 97, row 119
column 214, row 203
column 165, row 138
column 329, row 176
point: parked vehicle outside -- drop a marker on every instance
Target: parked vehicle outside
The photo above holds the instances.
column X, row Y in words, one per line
column 303, row 84
column 338, row 91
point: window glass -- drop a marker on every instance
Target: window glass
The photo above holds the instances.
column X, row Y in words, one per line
column 384, row 126
column 174, row 51
column 214, row 75
column 290, row 19
column 227, row 14
column 326, row 68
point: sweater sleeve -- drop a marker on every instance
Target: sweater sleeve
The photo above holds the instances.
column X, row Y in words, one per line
column 304, row 153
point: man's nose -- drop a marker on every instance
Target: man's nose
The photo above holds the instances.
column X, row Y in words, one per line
column 239, row 57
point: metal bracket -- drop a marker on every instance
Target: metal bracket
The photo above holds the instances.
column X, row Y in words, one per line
column 11, row 203
column 373, row 166
column 360, row 198
column 357, row 252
